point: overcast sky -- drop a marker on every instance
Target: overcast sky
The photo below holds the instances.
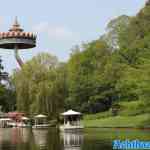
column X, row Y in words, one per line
column 61, row 24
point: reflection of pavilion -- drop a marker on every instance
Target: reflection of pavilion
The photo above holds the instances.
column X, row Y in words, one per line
column 72, row 141
column 20, row 135
column 40, row 136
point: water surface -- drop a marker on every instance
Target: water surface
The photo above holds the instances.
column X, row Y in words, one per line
column 52, row 139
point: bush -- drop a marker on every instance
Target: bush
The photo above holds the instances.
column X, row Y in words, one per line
column 133, row 108
column 98, row 115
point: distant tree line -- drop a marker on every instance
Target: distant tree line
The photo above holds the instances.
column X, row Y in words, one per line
column 99, row 75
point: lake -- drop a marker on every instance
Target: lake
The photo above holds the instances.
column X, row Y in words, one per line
column 52, row 139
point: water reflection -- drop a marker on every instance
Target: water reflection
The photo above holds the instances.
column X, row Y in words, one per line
column 40, row 137
column 72, row 141
column 52, row 139
column 14, row 135
column 14, row 138
column 46, row 139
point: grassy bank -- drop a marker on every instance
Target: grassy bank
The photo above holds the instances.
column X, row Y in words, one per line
column 100, row 120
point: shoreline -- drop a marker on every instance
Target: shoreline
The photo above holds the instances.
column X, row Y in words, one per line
column 136, row 128
column 141, row 121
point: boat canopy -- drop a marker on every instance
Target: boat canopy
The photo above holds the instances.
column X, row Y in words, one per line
column 5, row 119
column 14, row 114
column 40, row 116
column 24, row 118
column 70, row 112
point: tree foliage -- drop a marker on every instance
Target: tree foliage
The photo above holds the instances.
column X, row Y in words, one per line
column 110, row 71
column 7, row 93
column 40, row 85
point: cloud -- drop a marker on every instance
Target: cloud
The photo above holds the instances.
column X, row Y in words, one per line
column 54, row 32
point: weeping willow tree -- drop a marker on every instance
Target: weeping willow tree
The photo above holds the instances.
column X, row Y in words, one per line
column 40, row 85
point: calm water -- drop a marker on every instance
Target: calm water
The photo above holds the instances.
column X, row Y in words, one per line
column 89, row 139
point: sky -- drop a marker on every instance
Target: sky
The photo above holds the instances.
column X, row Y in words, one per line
column 60, row 24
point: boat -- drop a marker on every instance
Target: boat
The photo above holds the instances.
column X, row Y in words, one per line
column 71, row 121
column 40, row 122
column 24, row 123
column 12, row 124
column 5, row 122
column 15, row 117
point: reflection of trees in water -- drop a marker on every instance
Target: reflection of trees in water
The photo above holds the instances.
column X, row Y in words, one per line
column 14, row 139
column 50, row 140
column 5, row 145
column 45, row 139
column 95, row 144
column 5, row 135
column 14, row 135
column 94, row 139
column 24, row 135
column 24, row 139
column 40, row 137
column 54, row 140
column 72, row 140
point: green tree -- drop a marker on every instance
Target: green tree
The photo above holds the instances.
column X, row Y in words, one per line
column 85, row 67
column 7, row 93
column 113, row 29
column 40, row 85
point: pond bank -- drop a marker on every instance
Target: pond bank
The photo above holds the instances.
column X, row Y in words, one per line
column 139, row 121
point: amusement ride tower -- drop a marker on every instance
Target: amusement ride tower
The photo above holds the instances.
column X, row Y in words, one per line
column 17, row 39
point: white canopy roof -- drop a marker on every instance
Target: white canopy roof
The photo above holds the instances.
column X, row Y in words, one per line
column 5, row 119
column 25, row 118
column 40, row 116
column 70, row 112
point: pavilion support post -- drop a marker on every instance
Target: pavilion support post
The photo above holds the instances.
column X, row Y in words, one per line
column 64, row 120
column 18, row 58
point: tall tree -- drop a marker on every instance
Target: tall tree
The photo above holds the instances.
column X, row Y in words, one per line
column 113, row 29
column 40, row 85
column 85, row 67
column 7, row 93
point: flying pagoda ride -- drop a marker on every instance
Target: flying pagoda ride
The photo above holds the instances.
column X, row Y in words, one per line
column 17, row 39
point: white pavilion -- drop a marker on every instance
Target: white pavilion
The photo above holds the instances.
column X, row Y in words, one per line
column 71, row 121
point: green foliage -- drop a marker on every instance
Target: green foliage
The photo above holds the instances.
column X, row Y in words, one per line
column 100, row 76
column 134, row 42
column 40, row 86
column 7, row 94
column 133, row 108
column 7, row 99
column 85, row 68
column 114, row 28
column 101, row 115
column 113, row 70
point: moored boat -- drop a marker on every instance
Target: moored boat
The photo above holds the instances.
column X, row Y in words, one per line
column 71, row 121
column 24, row 123
column 40, row 122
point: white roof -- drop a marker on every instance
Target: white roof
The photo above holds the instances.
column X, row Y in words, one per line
column 40, row 116
column 70, row 112
column 25, row 118
column 5, row 119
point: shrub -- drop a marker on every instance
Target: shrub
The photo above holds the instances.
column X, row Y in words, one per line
column 133, row 108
